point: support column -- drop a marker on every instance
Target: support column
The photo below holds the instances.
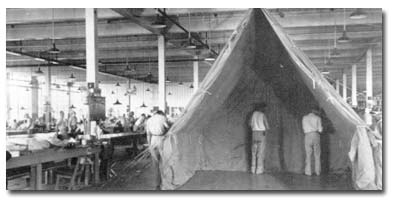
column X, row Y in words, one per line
column 91, row 46
column 47, row 104
column 129, row 96
column 196, row 73
column 344, row 88
column 161, row 73
column 354, row 102
column 368, row 117
column 91, row 60
column 337, row 86
column 35, row 98
column 69, row 97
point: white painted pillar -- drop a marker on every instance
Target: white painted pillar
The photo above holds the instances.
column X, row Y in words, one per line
column 195, row 74
column 161, row 73
column 69, row 98
column 48, row 98
column 354, row 102
column 91, row 46
column 129, row 96
column 368, row 117
column 337, row 86
column 35, row 98
column 91, row 60
column 344, row 88
column 369, row 78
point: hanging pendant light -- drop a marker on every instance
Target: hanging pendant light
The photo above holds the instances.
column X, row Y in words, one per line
column 72, row 77
column 344, row 38
column 72, row 107
column 169, row 93
column 191, row 86
column 335, row 51
column 358, row 14
column 143, row 105
column 53, row 49
column 39, row 71
column 148, row 89
column 190, row 44
column 112, row 92
column 117, row 84
column 159, row 22
column 117, row 102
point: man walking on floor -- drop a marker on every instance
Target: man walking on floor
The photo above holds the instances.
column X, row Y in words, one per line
column 259, row 126
column 156, row 127
column 312, row 128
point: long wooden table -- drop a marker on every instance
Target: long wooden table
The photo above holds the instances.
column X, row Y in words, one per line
column 36, row 159
column 127, row 138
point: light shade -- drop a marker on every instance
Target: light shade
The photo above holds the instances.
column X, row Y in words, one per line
column 117, row 102
column 191, row 86
column 159, row 23
column 54, row 49
column 39, row 71
column 72, row 77
column 344, row 38
column 335, row 52
column 180, row 83
column 358, row 14
column 143, row 105
column 117, row 84
column 72, row 107
column 210, row 57
column 190, row 44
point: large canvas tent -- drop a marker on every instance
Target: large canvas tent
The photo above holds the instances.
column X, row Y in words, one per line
column 261, row 64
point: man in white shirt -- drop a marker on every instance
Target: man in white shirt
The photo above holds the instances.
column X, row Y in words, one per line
column 259, row 126
column 156, row 127
column 312, row 128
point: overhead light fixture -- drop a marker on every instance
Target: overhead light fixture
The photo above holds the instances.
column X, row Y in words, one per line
column 169, row 93
column 191, row 86
column 22, row 108
column 335, row 52
column 143, row 105
column 72, row 107
column 39, row 71
column 27, row 89
column 190, row 44
column 148, row 89
column 358, row 14
column 53, row 49
column 112, row 92
column 72, row 77
column 117, row 84
column 210, row 57
column 159, row 22
column 117, row 102
column 344, row 38
column 180, row 83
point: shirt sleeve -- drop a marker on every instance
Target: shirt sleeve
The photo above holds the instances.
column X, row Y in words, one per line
column 266, row 122
column 319, row 124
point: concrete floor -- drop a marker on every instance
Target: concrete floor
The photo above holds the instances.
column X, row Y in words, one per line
column 141, row 178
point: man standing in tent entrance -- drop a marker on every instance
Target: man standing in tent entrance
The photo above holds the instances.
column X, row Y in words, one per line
column 259, row 126
column 312, row 128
